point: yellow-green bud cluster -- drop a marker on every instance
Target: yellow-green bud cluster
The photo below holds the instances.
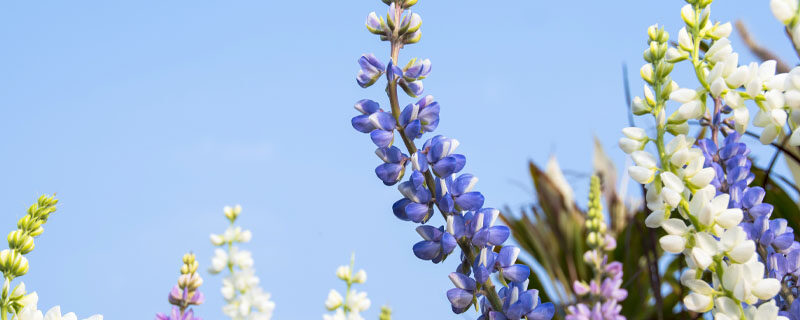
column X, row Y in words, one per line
column 20, row 242
column 189, row 277
column 232, row 212
column 595, row 224
column 386, row 313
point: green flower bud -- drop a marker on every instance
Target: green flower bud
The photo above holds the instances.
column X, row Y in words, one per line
column 386, row 313
column 408, row 3
column 12, row 263
column 20, row 241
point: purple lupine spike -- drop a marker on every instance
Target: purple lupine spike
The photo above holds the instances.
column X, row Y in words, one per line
column 433, row 182
column 774, row 239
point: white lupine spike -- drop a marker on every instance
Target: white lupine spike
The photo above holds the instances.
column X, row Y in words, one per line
column 672, row 181
column 698, row 302
column 674, row 226
column 683, row 95
column 672, row 243
column 783, row 10
column 655, row 219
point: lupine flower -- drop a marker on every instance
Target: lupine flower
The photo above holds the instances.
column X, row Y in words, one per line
column 679, row 179
column 371, row 70
column 434, row 183
column 354, row 302
column 185, row 293
column 244, row 298
column 599, row 299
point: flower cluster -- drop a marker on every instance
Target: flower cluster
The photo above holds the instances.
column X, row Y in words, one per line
column 185, row 294
column 436, row 181
column 353, row 303
column 245, row 298
column 774, row 240
column 13, row 264
column 29, row 312
column 677, row 179
column 602, row 295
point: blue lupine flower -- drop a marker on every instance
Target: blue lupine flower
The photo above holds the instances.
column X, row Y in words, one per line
column 461, row 297
column 517, row 303
column 420, row 117
column 393, row 168
column 461, row 189
column 434, row 182
column 510, row 270
column 441, row 157
column 371, row 70
column 774, row 239
column 484, row 265
column 416, row 206
column 437, row 244
column 380, row 125
column 482, row 231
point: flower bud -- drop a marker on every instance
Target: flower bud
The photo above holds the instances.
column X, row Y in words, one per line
column 343, row 272
column 688, row 15
column 20, row 241
column 360, row 277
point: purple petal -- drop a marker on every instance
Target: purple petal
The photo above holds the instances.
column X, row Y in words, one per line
column 389, row 173
column 544, row 311
column 399, row 209
column 427, row 250
column 381, row 138
column 507, row 256
column 417, row 212
column 462, row 281
column 498, row 235
column 459, row 298
column 383, row 121
column 414, row 129
column 430, row 233
column 470, row 201
column 362, row 123
column 367, row 106
column 517, row 272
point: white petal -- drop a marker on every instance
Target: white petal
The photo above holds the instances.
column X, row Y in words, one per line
column 672, row 243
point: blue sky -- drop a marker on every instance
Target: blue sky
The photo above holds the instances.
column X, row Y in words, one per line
column 147, row 117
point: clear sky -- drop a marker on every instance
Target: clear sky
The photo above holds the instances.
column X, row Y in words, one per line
column 147, row 117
